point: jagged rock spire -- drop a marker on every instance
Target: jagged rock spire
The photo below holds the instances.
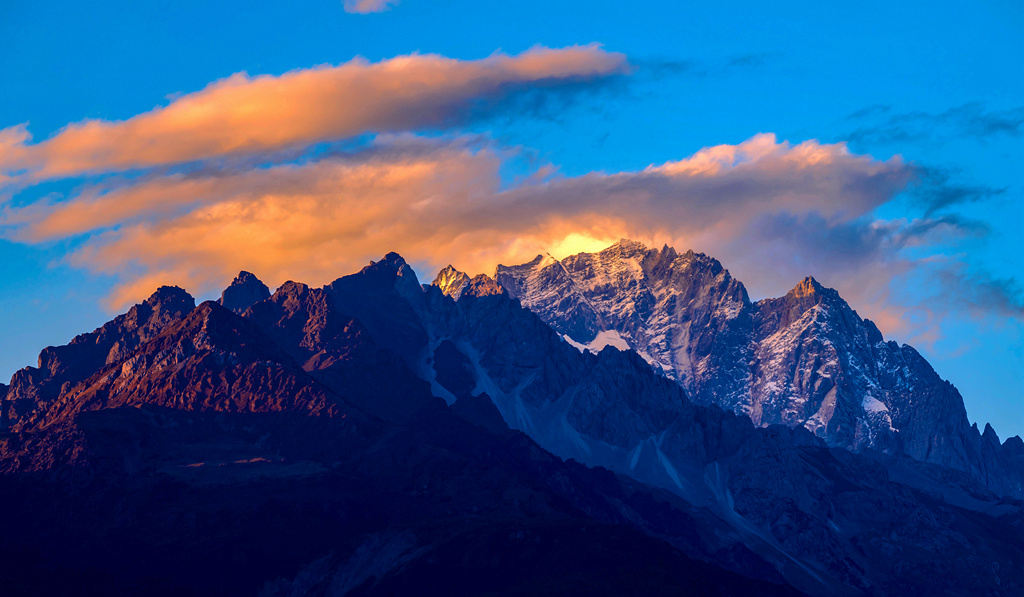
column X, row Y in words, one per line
column 245, row 291
column 451, row 281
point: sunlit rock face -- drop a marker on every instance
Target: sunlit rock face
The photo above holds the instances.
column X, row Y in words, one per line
column 33, row 389
column 677, row 311
column 451, row 281
column 805, row 359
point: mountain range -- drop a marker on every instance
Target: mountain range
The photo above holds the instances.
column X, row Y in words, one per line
column 625, row 422
column 805, row 359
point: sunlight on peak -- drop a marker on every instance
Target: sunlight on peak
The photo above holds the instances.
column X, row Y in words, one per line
column 580, row 243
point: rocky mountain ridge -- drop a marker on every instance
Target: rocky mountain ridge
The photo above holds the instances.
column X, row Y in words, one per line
column 610, row 410
column 806, row 359
column 374, row 425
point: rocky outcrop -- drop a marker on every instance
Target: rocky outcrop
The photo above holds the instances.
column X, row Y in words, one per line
column 338, row 351
column 683, row 313
column 245, row 290
column 451, row 281
column 483, row 285
column 32, row 389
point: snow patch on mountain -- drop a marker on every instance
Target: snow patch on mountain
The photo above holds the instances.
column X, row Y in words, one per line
column 603, row 339
column 873, row 405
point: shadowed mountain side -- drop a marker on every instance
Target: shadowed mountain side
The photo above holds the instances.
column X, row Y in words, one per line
column 278, row 503
column 245, row 290
column 338, row 351
column 611, row 410
column 210, row 462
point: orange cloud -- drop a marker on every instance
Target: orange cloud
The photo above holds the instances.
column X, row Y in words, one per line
column 243, row 114
column 440, row 202
column 228, row 182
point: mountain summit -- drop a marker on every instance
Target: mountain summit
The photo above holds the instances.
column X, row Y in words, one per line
column 803, row 360
column 246, row 290
column 451, row 281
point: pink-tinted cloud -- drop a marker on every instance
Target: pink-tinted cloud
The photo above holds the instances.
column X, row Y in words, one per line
column 243, row 114
column 368, row 6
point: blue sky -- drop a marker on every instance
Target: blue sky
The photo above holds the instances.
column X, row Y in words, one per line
column 939, row 84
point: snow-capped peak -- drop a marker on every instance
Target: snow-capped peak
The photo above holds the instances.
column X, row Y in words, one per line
column 451, row 281
column 804, row 359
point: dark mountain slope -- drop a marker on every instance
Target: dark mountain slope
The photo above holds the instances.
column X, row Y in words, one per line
column 208, row 461
column 610, row 410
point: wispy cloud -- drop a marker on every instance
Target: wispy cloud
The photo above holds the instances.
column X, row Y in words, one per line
column 970, row 120
column 868, row 111
column 939, row 190
column 749, row 60
column 980, row 291
column 657, row 68
column 368, row 6
column 664, row 67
